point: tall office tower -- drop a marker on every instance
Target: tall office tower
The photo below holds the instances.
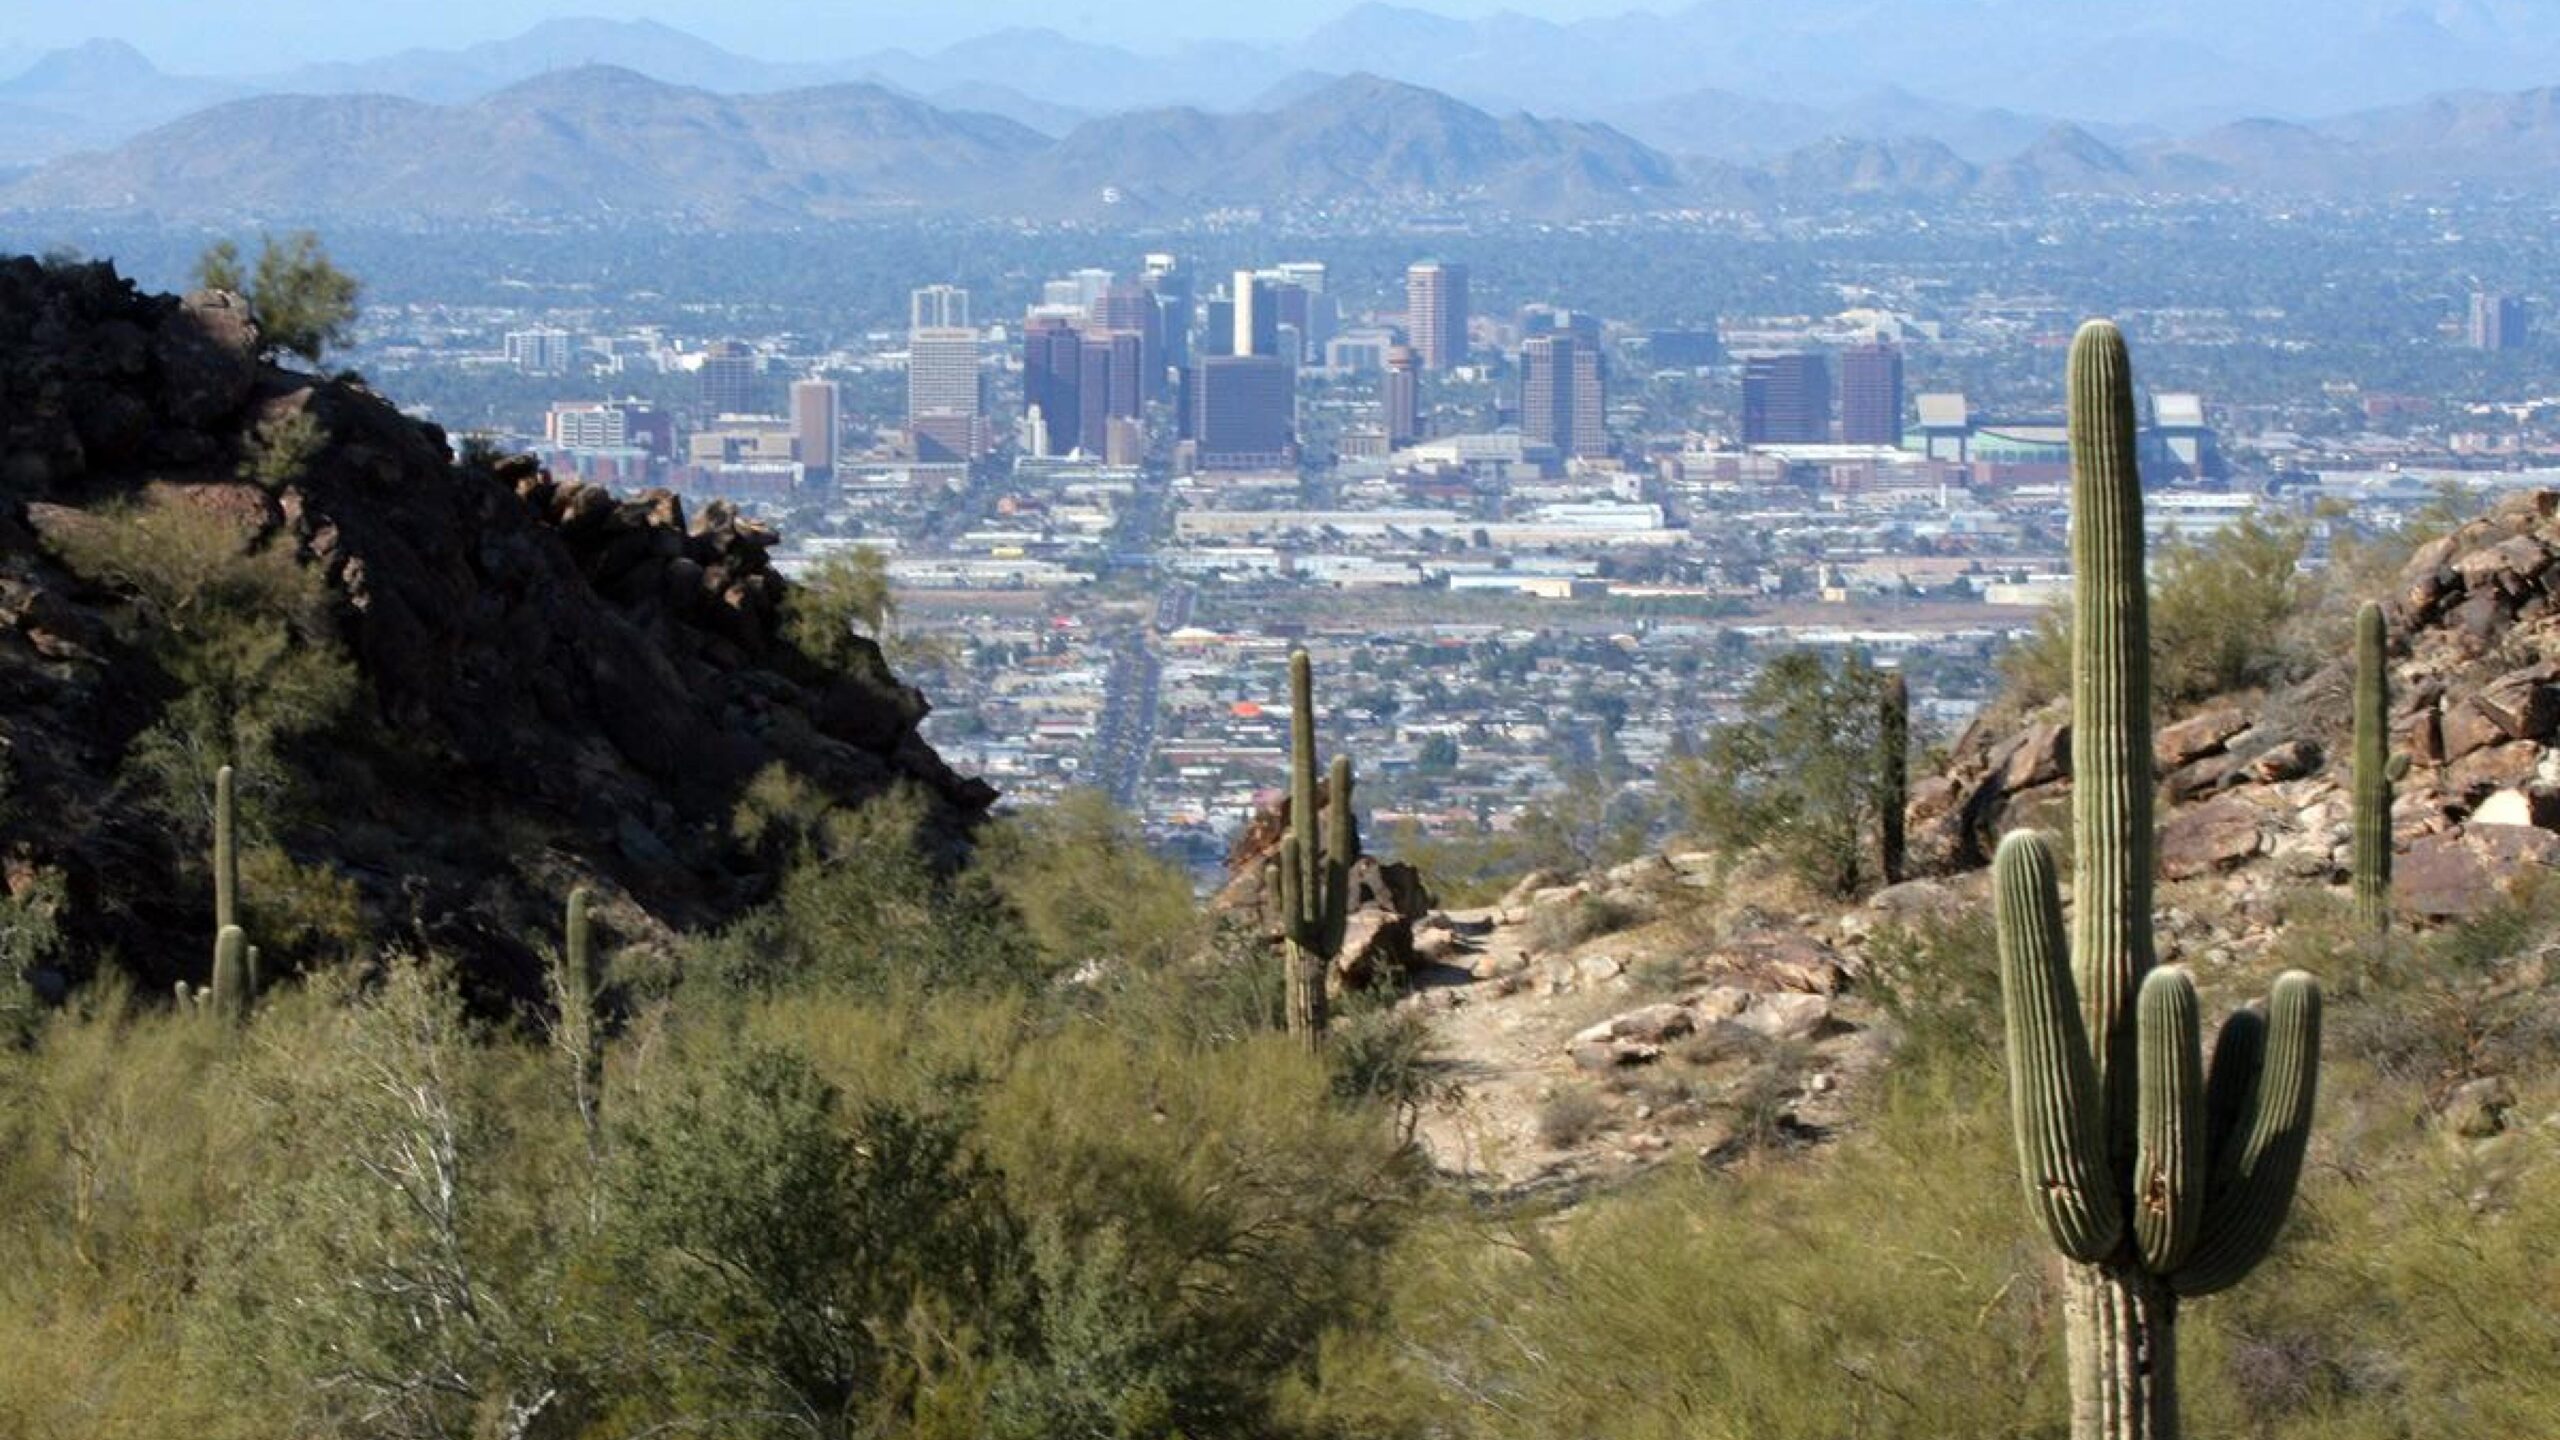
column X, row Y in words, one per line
column 813, row 424
column 937, row 307
column 1257, row 312
column 1871, row 395
column 1128, row 309
column 1093, row 394
column 1786, row 399
column 1218, row 327
column 1561, row 403
column 2497, row 322
column 1307, row 275
column 540, row 352
column 946, row 407
column 1400, row 396
column 1169, row 282
column 1052, row 376
column 1435, row 312
column 1090, row 282
column 1245, row 412
column 728, row 378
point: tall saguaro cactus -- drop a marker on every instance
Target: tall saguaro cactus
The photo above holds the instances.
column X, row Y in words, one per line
column 581, row 1035
column 1315, row 869
column 2156, row 1176
column 226, row 853
column 1893, row 773
column 2376, row 772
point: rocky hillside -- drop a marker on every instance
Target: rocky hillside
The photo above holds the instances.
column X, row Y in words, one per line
column 2257, row 785
column 1686, row 1010
column 551, row 685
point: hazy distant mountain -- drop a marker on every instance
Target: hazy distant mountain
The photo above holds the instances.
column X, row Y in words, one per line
column 1732, row 126
column 94, row 94
column 595, row 141
column 1360, row 139
column 601, row 140
column 986, row 99
column 658, row 51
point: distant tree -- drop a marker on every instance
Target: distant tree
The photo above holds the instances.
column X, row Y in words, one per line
column 1795, row 777
column 304, row 304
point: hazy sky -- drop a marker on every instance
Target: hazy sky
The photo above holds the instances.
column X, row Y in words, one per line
column 206, row 36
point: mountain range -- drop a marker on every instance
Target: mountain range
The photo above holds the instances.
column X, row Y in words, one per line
column 602, row 141
column 1736, row 80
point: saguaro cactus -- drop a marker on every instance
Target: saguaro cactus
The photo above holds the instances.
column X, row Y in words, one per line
column 2376, row 772
column 580, row 1036
column 2155, row 1177
column 1315, row 870
column 230, row 988
column 1893, row 774
column 226, row 854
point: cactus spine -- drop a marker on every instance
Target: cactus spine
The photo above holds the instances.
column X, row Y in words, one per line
column 1315, row 869
column 2375, row 771
column 1893, row 773
column 2155, row 1176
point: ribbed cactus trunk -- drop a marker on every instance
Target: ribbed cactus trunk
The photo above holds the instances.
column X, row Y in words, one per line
column 2153, row 1177
column 1303, row 873
column 2124, row 1354
column 580, row 1032
column 1893, row 775
column 2374, row 773
column 226, row 853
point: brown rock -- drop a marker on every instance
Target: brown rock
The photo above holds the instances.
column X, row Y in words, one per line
column 208, row 358
column 2468, row 727
column 2195, row 737
column 2290, row 760
column 2213, row 836
column 2042, row 757
column 2494, row 768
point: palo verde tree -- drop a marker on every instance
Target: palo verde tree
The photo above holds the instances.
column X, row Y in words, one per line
column 304, row 305
column 2157, row 1177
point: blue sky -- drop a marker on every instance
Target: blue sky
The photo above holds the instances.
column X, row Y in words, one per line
column 213, row 36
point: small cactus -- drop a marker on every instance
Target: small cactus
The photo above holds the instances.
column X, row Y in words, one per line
column 1315, row 870
column 1893, row 774
column 2376, row 773
column 2157, row 1176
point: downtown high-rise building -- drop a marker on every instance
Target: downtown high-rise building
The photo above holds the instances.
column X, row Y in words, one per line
column 946, row 406
column 1561, row 403
column 730, row 380
column 1078, row 381
column 1435, row 310
column 814, row 406
column 1786, row 399
column 1244, row 412
column 1168, row 280
column 1130, row 309
column 2497, row 322
column 1255, row 326
column 1400, row 396
column 937, row 307
column 1871, row 394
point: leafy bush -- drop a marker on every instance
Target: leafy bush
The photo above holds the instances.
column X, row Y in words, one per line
column 2222, row 613
column 304, row 305
column 1796, row 777
column 1569, row 1116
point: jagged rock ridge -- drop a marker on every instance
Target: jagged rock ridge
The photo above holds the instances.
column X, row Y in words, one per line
column 562, row 687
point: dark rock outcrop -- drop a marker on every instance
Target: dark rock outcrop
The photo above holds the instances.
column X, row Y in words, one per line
column 570, row 686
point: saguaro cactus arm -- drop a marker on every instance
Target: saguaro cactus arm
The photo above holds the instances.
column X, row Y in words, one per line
column 2173, row 1158
column 2053, row 1089
column 2260, row 1161
column 226, row 853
